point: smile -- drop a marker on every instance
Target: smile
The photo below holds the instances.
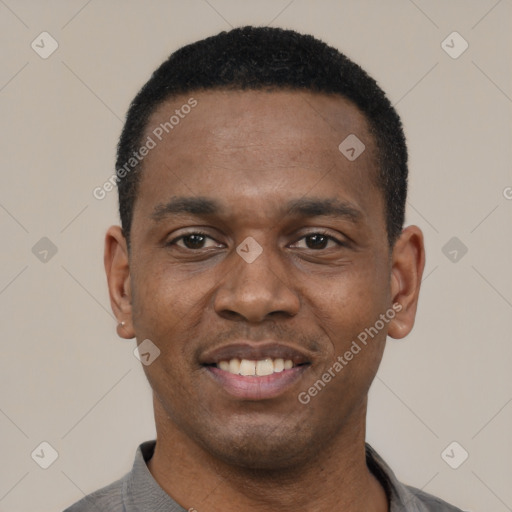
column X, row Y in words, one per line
column 256, row 371
column 260, row 368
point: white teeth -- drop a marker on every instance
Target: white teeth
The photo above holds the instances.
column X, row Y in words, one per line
column 247, row 367
column 234, row 366
column 265, row 367
column 278, row 365
column 224, row 365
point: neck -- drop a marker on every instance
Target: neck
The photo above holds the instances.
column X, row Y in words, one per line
column 336, row 479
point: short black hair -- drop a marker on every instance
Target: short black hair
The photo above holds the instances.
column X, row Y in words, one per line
column 267, row 58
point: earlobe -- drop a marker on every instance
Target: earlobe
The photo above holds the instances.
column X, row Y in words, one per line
column 408, row 262
column 117, row 269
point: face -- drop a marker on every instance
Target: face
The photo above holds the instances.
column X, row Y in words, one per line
column 259, row 255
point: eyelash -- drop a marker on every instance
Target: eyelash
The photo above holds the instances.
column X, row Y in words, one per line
column 197, row 232
column 202, row 233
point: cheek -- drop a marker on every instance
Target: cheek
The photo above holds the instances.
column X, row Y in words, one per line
column 361, row 333
column 170, row 308
column 167, row 308
column 164, row 296
column 348, row 302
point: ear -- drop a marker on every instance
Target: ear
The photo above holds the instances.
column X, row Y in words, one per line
column 407, row 264
column 117, row 268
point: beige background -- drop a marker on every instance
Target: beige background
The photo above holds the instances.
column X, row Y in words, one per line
column 65, row 377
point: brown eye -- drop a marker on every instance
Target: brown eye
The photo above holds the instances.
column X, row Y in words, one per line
column 194, row 241
column 318, row 241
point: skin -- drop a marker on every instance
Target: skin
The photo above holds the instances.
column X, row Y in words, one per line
column 253, row 151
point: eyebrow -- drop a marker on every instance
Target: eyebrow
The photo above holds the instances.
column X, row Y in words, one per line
column 200, row 206
column 317, row 207
column 303, row 207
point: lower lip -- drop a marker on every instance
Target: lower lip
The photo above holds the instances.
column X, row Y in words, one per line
column 257, row 388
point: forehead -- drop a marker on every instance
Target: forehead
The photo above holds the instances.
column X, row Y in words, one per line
column 251, row 145
column 222, row 117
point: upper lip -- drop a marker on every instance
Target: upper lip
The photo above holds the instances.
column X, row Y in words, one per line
column 255, row 351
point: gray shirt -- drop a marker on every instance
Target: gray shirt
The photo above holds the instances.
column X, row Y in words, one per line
column 138, row 491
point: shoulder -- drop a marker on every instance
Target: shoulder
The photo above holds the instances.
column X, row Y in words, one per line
column 430, row 502
column 404, row 497
column 117, row 495
column 108, row 498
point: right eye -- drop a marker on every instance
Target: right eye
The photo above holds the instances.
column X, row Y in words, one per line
column 193, row 241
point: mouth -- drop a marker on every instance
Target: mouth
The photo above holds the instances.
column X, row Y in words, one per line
column 256, row 372
column 260, row 368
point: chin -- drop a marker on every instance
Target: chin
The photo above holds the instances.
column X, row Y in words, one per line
column 261, row 448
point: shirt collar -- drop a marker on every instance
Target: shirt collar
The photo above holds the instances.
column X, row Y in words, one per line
column 400, row 498
column 142, row 492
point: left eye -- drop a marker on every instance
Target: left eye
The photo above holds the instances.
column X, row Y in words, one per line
column 194, row 241
column 319, row 241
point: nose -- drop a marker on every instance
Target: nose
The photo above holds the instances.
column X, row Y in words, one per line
column 258, row 290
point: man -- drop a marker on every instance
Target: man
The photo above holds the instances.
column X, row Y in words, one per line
column 261, row 264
